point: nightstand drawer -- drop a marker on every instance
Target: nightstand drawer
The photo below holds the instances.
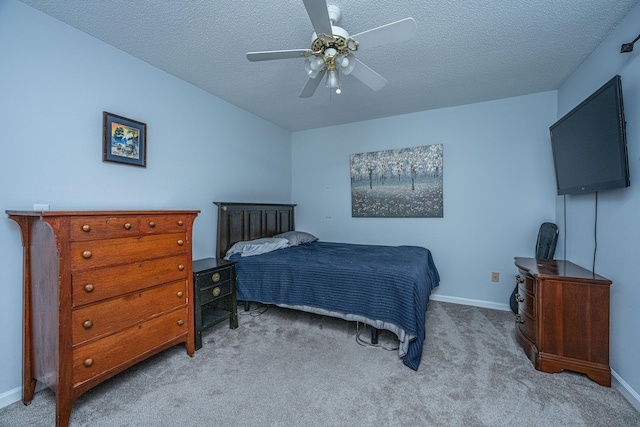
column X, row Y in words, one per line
column 214, row 292
column 204, row 279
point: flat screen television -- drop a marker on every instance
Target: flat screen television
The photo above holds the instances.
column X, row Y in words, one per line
column 589, row 144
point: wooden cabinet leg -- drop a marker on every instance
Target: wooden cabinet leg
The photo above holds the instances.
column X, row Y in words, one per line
column 28, row 390
column 63, row 413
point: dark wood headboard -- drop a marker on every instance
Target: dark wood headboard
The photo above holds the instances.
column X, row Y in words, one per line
column 247, row 221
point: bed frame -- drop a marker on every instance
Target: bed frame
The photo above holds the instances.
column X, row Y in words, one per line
column 248, row 221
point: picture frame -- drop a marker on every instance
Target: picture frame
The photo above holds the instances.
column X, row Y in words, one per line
column 398, row 183
column 124, row 140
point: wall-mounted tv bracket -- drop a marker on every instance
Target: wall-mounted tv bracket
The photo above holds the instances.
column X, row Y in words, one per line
column 628, row 47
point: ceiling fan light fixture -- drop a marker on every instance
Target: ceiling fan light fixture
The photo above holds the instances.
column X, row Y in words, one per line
column 332, row 79
column 332, row 48
column 346, row 63
column 312, row 67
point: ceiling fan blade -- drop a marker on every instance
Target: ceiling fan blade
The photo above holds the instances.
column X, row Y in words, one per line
column 398, row 31
column 367, row 76
column 277, row 54
column 319, row 15
column 311, row 86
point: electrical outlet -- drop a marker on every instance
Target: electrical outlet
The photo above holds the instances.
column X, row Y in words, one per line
column 495, row 276
column 39, row 207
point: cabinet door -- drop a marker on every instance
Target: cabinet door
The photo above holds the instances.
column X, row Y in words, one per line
column 575, row 320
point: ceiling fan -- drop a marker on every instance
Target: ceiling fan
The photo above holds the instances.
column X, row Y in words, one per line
column 332, row 49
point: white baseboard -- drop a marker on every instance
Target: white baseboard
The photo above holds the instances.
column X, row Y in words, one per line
column 473, row 302
column 10, row 396
column 15, row 395
column 630, row 394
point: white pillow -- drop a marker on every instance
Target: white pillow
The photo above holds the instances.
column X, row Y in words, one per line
column 296, row 238
column 257, row 246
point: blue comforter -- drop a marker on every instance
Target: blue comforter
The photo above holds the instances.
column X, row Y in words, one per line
column 388, row 283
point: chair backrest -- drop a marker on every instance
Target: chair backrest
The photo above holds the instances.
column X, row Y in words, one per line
column 547, row 240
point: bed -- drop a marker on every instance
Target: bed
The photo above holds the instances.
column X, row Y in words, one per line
column 386, row 287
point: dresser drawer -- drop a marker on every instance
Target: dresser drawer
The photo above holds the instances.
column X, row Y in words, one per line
column 526, row 281
column 527, row 325
column 112, row 353
column 98, row 253
column 526, row 301
column 119, row 313
column 163, row 223
column 102, row 227
column 101, row 283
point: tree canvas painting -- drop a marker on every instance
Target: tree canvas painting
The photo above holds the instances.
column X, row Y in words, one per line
column 404, row 182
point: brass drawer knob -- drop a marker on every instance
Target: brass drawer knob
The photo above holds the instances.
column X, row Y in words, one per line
column 88, row 362
column 180, row 222
column 181, row 267
column 88, row 287
column 87, row 324
column 180, row 242
column 215, row 277
column 86, row 228
column 180, row 293
column 86, row 254
column 127, row 226
column 216, row 291
column 152, row 224
column 180, row 322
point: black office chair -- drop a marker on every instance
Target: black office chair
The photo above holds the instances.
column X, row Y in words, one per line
column 545, row 249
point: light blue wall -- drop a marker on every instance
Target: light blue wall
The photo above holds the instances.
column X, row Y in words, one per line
column 618, row 222
column 55, row 82
column 498, row 180
column 498, row 188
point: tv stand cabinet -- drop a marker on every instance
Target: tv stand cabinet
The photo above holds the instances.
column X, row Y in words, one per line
column 563, row 317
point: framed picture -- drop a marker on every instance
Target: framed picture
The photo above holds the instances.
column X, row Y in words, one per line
column 124, row 140
column 400, row 183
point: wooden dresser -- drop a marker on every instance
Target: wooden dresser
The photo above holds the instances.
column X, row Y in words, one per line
column 563, row 317
column 103, row 290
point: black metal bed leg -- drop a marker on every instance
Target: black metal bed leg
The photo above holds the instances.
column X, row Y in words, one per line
column 374, row 336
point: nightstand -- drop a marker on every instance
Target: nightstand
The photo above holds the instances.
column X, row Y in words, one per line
column 214, row 282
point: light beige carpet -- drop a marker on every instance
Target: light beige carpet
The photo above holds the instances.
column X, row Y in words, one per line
column 287, row 368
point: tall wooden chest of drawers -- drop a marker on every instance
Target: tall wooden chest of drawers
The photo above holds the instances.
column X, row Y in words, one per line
column 563, row 317
column 103, row 291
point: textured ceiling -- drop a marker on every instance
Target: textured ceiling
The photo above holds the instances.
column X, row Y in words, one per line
column 466, row 51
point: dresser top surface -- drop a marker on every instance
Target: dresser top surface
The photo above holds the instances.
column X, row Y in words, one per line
column 550, row 268
column 101, row 213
